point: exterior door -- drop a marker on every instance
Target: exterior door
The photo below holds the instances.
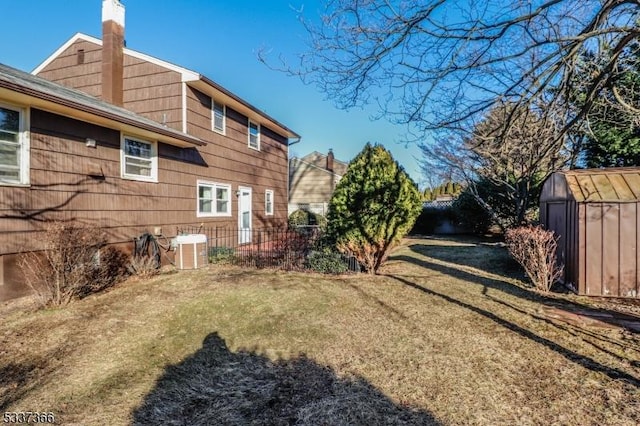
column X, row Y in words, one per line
column 244, row 215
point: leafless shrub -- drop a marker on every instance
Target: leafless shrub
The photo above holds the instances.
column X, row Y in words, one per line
column 143, row 266
column 535, row 249
column 109, row 269
column 69, row 265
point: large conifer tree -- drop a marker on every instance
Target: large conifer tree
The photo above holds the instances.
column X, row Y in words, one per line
column 374, row 205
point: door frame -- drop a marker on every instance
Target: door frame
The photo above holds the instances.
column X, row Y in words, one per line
column 244, row 234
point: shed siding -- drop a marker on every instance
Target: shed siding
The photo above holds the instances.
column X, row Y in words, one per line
column 557, row 213
column 555, row 189
column 610, row 249
column 628, row 249
column 601, row 237
column 594, row 249
column 572, row 273
column 582, row 249
column 610, row 252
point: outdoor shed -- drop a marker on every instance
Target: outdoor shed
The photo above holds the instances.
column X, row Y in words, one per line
column 596, row 215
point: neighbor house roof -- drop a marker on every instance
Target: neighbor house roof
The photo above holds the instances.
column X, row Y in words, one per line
column 193, row 79
column 25, row 88
column 319, row 160
column 603, row 185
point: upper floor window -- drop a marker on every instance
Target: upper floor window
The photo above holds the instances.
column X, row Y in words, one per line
column 254, row 135
column 139, row 159
column 219, row 117
column 214, row 199
column 14, row 146
column 268, row 202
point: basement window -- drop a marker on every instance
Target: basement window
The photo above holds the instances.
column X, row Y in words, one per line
column 214, row 199
column 139, row 159
column 14, row 146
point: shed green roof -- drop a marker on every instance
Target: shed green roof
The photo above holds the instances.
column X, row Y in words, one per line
column 604, row 185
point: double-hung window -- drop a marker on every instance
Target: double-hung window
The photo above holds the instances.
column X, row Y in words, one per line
column 254, row 135
column 139, row 159
column 14, row 146
column 214, row 199
column 218, row 116
column 268, row 202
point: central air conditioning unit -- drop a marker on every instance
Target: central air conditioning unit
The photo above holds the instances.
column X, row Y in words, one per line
column 191, row 251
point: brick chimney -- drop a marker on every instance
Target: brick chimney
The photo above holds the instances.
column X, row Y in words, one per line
column 112, row 51
column 330, row 160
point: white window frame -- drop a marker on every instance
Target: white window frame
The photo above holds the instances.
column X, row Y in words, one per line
column 222, row 131
column 267, row 211
column 23, row 146
column 214, row 186
column 154, row 159
column 257, row 126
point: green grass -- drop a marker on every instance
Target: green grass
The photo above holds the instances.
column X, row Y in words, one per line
column 447, row 334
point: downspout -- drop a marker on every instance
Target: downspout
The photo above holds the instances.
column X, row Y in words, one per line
column 289, row 170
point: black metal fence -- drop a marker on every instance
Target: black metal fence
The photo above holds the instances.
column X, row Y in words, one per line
column 282, row 248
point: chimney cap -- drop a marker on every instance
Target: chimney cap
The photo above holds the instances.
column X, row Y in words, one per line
column 113, row 10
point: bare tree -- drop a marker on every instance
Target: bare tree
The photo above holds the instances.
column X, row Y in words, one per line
column 504, row 159
column 441, row 64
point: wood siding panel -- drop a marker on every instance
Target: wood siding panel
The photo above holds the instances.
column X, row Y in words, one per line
column 593, row 253
column 574, row 252
column 557, row 213
column 582, row 248
column 153, row 91
column 628, row 250
column 60, row 159
column 149, row 89
column 230, row 160
column 65, row 69
column 610, row 249
column 61, row 190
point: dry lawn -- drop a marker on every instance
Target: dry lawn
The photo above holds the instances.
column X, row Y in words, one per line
column 446, row 335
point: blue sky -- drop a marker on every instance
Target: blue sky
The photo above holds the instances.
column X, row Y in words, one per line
column 219, row 39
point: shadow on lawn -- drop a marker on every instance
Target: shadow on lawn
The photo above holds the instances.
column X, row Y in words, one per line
column 474, row 252
column 582, row 360
column 217, row 386
column 609, row 316
column 17, row 379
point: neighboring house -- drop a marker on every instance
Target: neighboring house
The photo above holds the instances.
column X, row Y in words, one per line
column 312, row 180
column 163, row 148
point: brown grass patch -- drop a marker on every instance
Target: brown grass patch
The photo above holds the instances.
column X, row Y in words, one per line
column 447, row 335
